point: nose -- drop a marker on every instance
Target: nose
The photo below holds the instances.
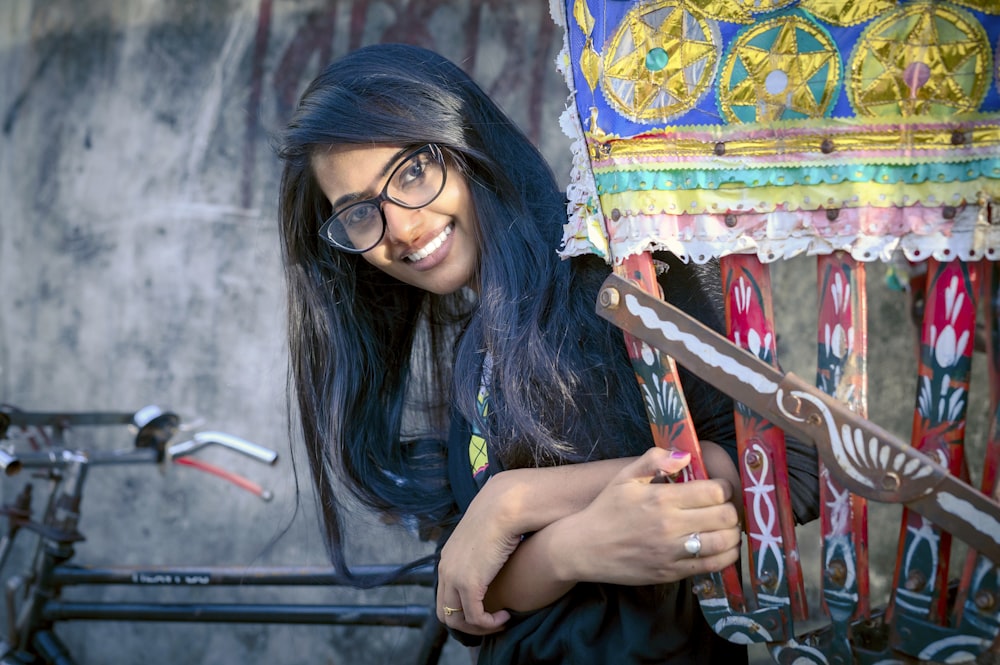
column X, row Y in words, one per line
column 401, row 224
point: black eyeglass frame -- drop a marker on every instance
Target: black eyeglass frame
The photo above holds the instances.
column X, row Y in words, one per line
column 378, row 201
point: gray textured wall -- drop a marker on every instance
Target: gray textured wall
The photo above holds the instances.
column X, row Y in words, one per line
column 139, row 264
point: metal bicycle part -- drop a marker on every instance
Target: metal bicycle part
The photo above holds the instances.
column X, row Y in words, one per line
column 34, row 589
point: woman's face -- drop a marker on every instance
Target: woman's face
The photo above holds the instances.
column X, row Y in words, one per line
column 434, row 247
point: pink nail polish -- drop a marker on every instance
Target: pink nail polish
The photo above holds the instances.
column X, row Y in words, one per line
column 678, row 454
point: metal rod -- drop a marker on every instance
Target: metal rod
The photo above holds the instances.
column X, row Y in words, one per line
column 58, row 459
column 68, row 575
column 413, row 616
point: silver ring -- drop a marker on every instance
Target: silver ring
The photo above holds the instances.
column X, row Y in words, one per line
column 693, row 544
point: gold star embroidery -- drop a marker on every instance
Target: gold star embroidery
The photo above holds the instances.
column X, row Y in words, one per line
column 924, row 59
column 659, row 62
column 781, row 77
column 846, row 12
column 733, row 11
column 985, row 6
column 762, row 6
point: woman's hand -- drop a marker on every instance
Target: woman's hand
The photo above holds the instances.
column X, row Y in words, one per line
column 598, row 521
column 511, row 503
column 476, row 550
column 628, row 533
column 634, row 531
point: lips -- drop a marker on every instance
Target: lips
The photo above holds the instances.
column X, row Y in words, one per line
column 430, row 247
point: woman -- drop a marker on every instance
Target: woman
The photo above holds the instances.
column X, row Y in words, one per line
column 438, row 341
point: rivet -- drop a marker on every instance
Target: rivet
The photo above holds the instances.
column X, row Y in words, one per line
column 730, row 220
column 915, row 581
column 832, row 213
column 814, row 419
column 958, row 137
column 720, row 148
column 949, row 212
column 836, row 572
column 985, row 601
column 610, row 298
column 890, row 481
column 826, row 147
column 753, row 459
column 616, row 214
column 704, row 588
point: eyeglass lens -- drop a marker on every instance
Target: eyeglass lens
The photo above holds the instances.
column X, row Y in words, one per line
column 414, row 183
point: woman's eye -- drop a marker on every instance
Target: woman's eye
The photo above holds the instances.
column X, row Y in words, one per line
column 413, row 170
column 358, row 215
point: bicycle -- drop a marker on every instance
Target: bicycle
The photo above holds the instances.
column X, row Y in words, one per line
column 33, row 597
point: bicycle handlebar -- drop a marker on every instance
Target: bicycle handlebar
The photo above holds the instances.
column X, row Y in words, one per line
column 61, row 458
column 155, row 428
column 10, row 464
column 202, row 439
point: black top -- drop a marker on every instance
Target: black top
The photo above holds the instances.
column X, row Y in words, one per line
column 605, row 623
column 595, row 624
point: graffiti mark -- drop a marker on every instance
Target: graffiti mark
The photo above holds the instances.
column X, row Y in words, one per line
column 11, row 116
column 264, row 14
column 524, row 36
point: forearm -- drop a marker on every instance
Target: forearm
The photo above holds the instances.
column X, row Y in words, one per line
column 548, row 564
column 584, row 524
column 530, row 499
column 511, row 504
column 534, row 499
column 535, row 575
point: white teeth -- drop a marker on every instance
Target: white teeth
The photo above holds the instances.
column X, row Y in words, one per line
column 430, row 247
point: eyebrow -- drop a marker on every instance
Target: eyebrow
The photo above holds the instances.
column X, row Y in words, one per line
column 358, row 196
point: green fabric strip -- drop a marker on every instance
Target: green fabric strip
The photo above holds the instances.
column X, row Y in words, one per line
column 689, row 179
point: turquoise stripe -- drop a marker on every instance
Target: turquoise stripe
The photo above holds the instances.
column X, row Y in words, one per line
column 833, row 173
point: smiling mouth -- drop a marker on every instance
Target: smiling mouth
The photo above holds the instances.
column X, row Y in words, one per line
column 430, row 247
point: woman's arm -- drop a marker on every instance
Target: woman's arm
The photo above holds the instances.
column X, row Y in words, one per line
column 541, row 570
column 511, row 504
column 633, row 533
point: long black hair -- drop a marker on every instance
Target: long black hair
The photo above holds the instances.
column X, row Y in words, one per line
column 370, row 355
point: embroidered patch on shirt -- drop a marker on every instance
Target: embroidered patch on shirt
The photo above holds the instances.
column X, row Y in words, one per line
column 479, row 460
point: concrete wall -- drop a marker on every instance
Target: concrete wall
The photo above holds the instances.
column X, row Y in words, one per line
column 139, row 264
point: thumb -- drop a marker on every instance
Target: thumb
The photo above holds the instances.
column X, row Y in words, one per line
column 655, row 462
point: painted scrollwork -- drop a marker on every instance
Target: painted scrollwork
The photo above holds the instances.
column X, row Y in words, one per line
column 868, row 465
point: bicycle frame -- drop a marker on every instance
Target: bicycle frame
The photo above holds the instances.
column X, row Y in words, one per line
column 31, row 623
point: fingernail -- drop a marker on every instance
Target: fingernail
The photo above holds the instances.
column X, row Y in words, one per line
column 678, row 454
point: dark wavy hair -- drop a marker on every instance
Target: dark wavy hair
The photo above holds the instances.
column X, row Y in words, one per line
column 369, row 354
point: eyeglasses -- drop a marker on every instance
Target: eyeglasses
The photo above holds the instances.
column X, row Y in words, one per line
column 414, row 183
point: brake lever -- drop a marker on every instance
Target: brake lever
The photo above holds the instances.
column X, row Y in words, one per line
column 202, row 439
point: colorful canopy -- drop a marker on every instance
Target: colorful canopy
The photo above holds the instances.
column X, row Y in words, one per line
column 778, row 127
